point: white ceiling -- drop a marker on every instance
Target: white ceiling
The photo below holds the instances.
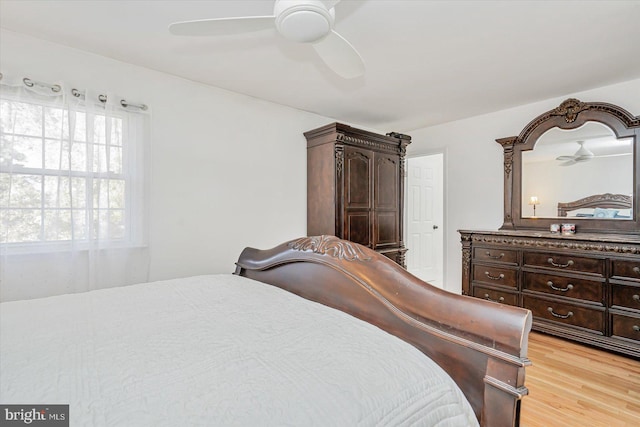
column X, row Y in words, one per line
column 427, row 62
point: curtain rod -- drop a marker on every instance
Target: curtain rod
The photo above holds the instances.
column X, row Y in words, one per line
column 103, row 98
column 77, row 93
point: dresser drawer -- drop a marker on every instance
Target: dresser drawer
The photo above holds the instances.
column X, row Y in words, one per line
column 495, row 275
column 562, row 262
column 566, row 314
column 495, row 295
column 625, row 326
column 625, row 296
column 588, row 290
column 495, row 255
column 625, row 269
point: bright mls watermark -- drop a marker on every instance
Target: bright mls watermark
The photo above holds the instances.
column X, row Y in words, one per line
column 34, row 415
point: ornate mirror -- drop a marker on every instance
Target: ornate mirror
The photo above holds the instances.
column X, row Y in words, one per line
column 578, row 163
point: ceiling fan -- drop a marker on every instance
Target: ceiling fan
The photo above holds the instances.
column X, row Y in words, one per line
column 582, row 155
column 301, row 21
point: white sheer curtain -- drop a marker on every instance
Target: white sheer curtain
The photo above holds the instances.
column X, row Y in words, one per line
column 74, row 181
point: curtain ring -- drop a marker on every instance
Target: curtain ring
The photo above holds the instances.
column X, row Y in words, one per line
column 30, row 83
column 76, row 93
column 102, row 98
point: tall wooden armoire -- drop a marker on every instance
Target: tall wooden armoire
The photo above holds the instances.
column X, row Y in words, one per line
column 355, row 187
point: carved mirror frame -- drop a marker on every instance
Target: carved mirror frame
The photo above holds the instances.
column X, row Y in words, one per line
column 571, row 114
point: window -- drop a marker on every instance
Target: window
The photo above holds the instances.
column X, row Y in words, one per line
column 68, row 174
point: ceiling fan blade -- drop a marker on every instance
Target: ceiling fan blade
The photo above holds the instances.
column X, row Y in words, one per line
column 614, row 155
column 563, row 158
column 340, row 56
column 222, row 26
column 568, row 163
column 582, row 158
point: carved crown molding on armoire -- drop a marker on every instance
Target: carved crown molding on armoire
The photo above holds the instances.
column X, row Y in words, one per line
column 355, row 187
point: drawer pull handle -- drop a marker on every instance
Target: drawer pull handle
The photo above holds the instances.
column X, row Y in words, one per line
column 636, row 297
column 636, row 328
column 568, row 264
column 488, row 254
column 561, row 316
column 500, row 277
column 488, row 298
column 568, row 288
column 636, row 269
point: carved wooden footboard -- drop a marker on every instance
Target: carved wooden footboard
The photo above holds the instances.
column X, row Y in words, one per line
column 482, row 345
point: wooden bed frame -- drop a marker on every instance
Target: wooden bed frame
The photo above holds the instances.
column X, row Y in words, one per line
column 605, row 201
column 480, row 344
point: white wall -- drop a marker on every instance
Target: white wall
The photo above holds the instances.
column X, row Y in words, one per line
column 228, row 170
column 474, row 163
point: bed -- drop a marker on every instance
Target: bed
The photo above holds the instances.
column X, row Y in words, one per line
column 229, row 350
column 605, row 205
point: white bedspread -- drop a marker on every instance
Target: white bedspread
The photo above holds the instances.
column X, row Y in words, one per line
column 217, row 350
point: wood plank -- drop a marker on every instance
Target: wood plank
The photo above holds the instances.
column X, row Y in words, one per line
column 576, row 385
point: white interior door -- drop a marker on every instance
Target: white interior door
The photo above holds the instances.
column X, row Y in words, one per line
column 425, row 206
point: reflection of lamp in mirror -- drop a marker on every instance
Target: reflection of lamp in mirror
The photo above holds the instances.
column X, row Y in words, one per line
column 533, row 201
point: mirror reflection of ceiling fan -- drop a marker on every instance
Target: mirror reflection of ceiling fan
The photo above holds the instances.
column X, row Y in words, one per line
column 582, row 155
column 301, row 21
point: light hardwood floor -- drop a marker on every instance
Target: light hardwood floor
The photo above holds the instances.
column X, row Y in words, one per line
column 574, row 385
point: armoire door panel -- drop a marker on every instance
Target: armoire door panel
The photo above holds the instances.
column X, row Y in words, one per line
column 358, row 227
column 386, row 229
column 386, row 175
column 358, row 178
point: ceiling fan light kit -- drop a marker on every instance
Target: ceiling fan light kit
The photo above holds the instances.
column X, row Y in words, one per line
column 303, row 22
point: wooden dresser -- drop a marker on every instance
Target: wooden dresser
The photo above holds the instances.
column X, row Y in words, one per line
column 355, row 187
column 585, row 287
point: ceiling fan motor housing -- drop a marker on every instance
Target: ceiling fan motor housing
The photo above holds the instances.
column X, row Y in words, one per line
column 305, row 21
column 583, row 153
